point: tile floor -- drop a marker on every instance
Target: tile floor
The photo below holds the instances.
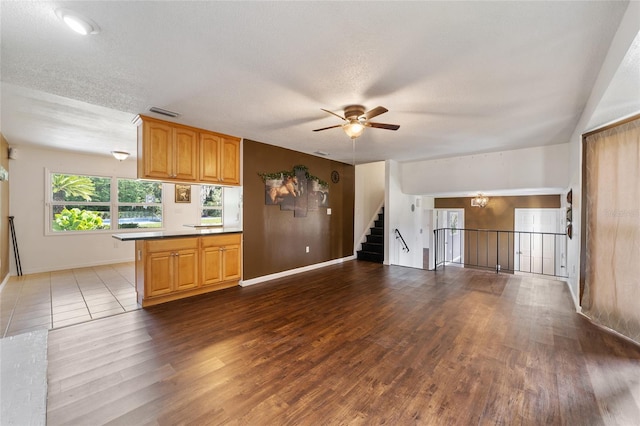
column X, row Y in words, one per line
column 60, row 298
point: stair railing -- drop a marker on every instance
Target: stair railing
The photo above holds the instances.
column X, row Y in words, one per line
column 405, row 247
column 542, row 253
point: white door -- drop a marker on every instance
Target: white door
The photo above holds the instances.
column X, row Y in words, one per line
column 541, row 252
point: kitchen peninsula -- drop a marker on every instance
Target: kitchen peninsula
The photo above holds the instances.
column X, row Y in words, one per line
column 171, row 265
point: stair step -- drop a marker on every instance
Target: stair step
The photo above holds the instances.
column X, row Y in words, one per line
column 375, row 238
column 377, row 231
column 378, row 223
column 373, row 247
column 370, row 256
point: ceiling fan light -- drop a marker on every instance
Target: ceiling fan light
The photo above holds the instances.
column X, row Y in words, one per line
column 353, row 129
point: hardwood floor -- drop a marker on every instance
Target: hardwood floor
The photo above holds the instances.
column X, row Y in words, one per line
column 355, row 343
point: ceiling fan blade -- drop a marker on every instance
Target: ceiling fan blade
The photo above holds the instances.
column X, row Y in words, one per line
column 330, row 127
column 382, row 126
column 333, row 113
column 375, row 112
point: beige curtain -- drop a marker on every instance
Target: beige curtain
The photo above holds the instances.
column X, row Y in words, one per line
column 612, row 279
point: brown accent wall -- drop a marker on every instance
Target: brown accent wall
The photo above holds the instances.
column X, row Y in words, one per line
column 275, row 240
column 4, row 211
column 499, row 214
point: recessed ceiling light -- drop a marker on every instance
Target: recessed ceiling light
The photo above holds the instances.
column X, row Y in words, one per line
column 77, row 22
column 324, row 154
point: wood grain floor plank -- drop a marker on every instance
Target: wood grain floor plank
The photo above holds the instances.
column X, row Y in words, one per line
column 355, row 343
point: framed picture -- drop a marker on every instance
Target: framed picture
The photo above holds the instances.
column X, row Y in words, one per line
column 183, row 193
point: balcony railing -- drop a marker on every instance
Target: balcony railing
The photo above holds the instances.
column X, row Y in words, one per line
column 503, row 251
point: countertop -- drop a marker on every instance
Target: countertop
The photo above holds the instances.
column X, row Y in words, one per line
column 193, row 232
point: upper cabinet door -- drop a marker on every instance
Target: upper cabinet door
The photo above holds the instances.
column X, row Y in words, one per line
column 157, row 150
column 186, row 154
column 210, row 157
column 230, row 153
column 174, row 152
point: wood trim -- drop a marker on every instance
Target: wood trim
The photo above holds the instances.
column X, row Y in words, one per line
column 583, row 222
column 151, row 301
column 610, row 126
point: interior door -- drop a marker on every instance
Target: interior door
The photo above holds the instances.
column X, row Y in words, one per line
column 535, row 251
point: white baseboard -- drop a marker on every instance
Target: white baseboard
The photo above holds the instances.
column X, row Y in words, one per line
column 76, row 266
column 252, row 281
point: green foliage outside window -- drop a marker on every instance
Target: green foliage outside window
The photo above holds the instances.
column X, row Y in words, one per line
column 211, row 205
column 72, row 188
column 85, row 203
column 75, row 219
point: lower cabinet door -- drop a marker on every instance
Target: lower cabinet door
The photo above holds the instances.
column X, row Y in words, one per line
column 159, row 273
column 186, row 273
column 211, row 265
column 231, row 263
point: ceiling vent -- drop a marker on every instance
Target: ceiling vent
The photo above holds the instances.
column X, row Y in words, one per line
column 164, row 112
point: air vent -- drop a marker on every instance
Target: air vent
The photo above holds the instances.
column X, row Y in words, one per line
column 164, row 112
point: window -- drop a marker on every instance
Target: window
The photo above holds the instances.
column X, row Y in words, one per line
column 80, row 203
column 211, row 205
column 89, row 203
column 139, row 204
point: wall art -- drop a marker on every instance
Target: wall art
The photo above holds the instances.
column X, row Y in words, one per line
column 295, row 190
column 183, row 193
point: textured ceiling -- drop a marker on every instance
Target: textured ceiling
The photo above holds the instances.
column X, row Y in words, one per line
column 458, row 77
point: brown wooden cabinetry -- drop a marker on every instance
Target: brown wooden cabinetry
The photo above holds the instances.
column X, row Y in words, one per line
column 210, row 157
column 221, row 261
column 219, row 159
column 173, row 152
column 170, row 265
column 172, row 268
column 167, row 151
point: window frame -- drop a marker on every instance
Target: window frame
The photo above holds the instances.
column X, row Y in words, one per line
column 203, row 207
column 113, row 204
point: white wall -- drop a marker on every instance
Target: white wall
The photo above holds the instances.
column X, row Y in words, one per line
column 42, row 253
column 369, row 195
column 523, row 169
column 399, row 215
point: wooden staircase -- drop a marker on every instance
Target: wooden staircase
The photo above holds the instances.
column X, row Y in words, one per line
column 373, row 247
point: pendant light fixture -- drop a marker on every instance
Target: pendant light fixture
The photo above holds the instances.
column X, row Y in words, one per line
column 120, row 155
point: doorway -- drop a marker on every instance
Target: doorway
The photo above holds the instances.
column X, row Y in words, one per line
column 452, row 245
column 539, row 253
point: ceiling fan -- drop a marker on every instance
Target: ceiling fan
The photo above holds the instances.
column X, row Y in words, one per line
column 357, row 119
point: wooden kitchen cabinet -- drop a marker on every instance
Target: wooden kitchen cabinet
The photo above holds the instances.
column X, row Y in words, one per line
column 173, row 152
column 173, row 268
column 172, row 265
column 166, row 151
column 221, row 260
column 219, row 159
